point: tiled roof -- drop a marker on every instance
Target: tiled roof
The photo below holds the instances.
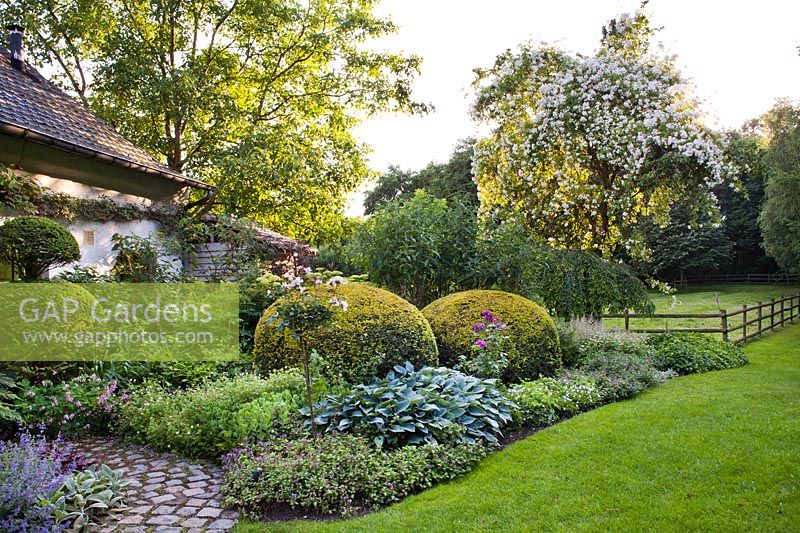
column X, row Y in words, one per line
column 30, row 102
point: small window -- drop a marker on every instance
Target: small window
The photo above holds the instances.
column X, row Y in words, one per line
column 88, row 237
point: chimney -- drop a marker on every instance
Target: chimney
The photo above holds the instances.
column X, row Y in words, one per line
column 15, row 33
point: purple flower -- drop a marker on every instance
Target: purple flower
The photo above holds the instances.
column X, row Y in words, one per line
column 479, row 326
column 487, row 315
column 481, row 343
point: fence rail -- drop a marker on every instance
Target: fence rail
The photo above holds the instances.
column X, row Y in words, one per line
column 778, row 312
column 788, row 279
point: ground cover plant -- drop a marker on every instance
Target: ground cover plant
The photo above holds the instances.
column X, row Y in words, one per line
column 338, row 473
column 670, row 459
column 211, row 418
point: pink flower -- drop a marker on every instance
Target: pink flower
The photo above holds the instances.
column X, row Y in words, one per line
column 481, row 343
column 68, row 397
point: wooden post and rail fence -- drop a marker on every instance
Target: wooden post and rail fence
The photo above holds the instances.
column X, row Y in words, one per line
column 755, row 319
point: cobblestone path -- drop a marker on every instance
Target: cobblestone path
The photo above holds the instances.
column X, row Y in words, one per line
column 166, row 493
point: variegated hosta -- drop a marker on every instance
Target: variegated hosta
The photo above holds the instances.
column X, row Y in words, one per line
column 430, row 405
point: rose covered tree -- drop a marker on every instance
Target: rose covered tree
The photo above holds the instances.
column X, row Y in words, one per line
column 584, row 146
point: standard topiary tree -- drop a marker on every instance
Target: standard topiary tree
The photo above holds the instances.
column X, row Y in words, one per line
column 378, row 331
column 34, row 244
column 533, row 345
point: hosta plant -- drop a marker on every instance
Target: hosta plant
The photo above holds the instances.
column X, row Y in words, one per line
column 84, row 496
column 430, row 405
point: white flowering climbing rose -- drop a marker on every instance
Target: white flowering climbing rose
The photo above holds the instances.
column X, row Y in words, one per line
column 582, row 146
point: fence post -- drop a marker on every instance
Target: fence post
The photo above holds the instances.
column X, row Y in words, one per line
column 760, row 318
column 783, row 315
column 772, row 313
column 724, row 317
column 627, row 321
column 744, row 322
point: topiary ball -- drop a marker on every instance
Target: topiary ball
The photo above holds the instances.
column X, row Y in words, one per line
column 378, row 331
column 533, row 345
column 35, row 244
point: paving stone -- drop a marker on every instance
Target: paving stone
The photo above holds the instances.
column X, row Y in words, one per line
column 173, row 490
column 164, row 498
column 164, row 509
column 193, row 492
column 141, row 509
column 195, row 502
column 187, row 511
column 197, row 484
column 194, row 522
column 163, row 520
column 132, row 519
column 211, row 512
column 199, row 477
column 168, row 529
column 174, row 482
column 156, row 474
column 150, row 494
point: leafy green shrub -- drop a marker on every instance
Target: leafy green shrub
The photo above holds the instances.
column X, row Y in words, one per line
column 85, row 496
column 420, row 248
column 621, row 376
column 139, row 260
column 212, row 417
column 430, row 405
column 378, row 331
column 689, row 353
column 532, row 347
column 338, row 473
column 32, row 245
column 543, row 401
column 571, row 283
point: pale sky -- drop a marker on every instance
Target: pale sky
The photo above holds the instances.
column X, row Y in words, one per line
column 741, row 56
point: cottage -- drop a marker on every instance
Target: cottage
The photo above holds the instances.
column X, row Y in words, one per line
column 47, row 134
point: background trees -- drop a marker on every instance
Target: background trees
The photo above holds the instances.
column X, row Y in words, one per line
column 780, row 214
column 584, row 147
column 255, row 96
column 453, row 179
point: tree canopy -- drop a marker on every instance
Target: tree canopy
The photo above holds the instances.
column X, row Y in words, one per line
column 583, row 147
column 255, row 96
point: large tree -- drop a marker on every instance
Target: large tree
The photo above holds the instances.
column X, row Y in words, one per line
column 453, row 179
column 256, row 96
column 780, row 214
column 585, row 146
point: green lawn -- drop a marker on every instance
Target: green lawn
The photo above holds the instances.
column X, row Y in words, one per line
column 700, row 299
column 712, row 452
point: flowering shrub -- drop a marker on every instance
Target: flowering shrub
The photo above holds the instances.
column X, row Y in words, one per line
column 489, row 358
column 337, row 473
column 30, row 469
column 585, row 146
column 430, row 405
column 82, row 404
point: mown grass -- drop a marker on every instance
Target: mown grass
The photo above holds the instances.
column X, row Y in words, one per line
column 710, row 452
column 698, row 299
